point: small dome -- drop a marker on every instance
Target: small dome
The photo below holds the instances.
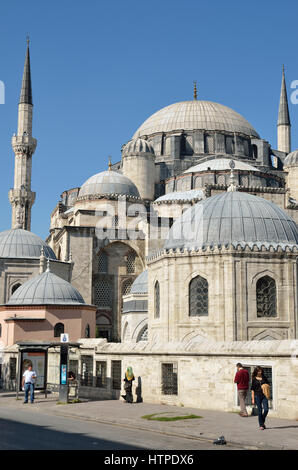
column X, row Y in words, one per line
column 19, row 243
column 137, row 147
column 46, row 289
column 291, row 159
column 140, row 284
column 218, row 164
column 109, row 182
column 196, row 115
column 233, row 218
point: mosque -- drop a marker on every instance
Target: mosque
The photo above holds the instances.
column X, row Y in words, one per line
column 180, row 260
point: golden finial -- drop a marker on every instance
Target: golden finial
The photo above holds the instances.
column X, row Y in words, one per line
column 194, row 90
column 110, row 163
column 28, row 40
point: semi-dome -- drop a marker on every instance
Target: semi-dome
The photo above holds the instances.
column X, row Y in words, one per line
column 291, row 159
column 219, row 164
column 195, row 115
column 19, row 243
column 181, row 196
column 233, row 218
column 140, row 284
column 109, row 183
column 137, row 147
column 46, row 289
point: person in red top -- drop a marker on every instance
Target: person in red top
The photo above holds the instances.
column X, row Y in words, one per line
column 242, row 381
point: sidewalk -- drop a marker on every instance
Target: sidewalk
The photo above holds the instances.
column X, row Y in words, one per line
column 280, row 433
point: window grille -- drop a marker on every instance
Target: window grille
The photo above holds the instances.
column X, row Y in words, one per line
column 221, row 179
column 143, row 335
column 266, row 297
column 12, row 368
column 103, row 293
column 102, row 262
column 116, row 375
column 58, row 330
column 87, row 371
column 131, row 262
column 268, row 375
column 115, row 221
column 101, row 374
column 157, row 300
column 244, row 181
column 74, row 367
column 230, row 145
column 169, row 379
column 126, row 286
column 198, row 297
column 209, row 144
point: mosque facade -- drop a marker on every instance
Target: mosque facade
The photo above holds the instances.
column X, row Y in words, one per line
column 180, row 259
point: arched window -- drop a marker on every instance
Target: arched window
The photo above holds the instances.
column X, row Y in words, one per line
column 58, row 330
column 156, row 300
column 198, row 297
column 102, row 262
column 143, row 335
column 266, row 297
column 15, row 287
column 209, row 143
column 103, row 293
column 87, row 331
column 131, row 262
column 254, row 151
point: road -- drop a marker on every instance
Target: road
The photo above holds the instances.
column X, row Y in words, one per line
column 28, row 429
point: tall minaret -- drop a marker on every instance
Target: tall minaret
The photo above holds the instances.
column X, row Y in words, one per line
column 21, row 197
column 283, row 123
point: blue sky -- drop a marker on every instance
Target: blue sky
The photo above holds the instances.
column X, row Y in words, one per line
column 99, row 69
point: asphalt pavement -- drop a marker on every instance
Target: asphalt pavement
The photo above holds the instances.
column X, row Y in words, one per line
column 244, row 433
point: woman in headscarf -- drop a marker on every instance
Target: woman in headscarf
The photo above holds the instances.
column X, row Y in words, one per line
column 128, row 379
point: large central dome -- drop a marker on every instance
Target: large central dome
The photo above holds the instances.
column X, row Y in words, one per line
column 192, row 115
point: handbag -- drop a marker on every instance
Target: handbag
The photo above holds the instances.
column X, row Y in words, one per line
column 266, row 390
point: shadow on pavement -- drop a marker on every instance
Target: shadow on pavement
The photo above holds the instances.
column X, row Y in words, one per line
column 16, row 435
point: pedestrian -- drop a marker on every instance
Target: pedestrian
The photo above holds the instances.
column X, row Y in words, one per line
column 242, row 381
column 260, row 392
column 128, row 379
column 28, row 382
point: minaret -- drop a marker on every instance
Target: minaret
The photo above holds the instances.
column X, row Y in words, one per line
column 21, row 197
column 283, row 123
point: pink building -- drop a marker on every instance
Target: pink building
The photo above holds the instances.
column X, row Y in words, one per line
column 42, row 309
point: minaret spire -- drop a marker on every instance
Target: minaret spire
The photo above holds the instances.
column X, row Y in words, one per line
column 21, row 197
column 26, row 90
column 283, row 122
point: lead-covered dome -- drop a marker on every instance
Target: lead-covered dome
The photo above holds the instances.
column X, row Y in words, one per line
column 109, row 183
column 46, row 289
column 19, row 243
column 233, row 218
column 140, row 284
column 221, row 164
column 196, row 114
column 291, row 159
column 137, row 147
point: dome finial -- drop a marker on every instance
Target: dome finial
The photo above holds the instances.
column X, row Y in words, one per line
column 195, row 90
column 48, row 265
column 232, row 186
column 110, row 163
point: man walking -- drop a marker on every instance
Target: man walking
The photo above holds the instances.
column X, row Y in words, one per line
column 29, row 377
column 242, row 381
